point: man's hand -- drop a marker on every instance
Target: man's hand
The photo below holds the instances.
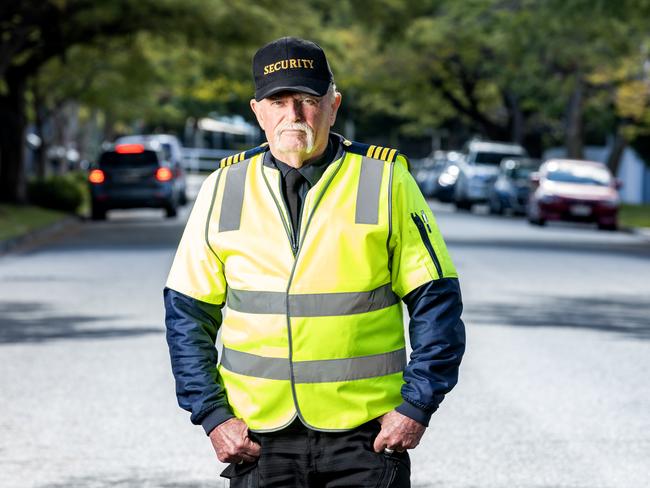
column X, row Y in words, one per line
column 231, row 443
column 398, row 432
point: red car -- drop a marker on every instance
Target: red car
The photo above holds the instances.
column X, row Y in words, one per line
column 574, row 190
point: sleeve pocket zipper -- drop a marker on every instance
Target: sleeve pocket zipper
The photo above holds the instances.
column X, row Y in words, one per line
column 420, row 223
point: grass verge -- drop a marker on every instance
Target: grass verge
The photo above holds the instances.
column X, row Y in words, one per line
column 17, row 220
column 634, row 215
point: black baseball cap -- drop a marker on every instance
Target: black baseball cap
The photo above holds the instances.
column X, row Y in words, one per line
column 291, row 64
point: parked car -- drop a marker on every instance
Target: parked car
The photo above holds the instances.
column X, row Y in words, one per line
column 134, row 176
column 437, row 178
column 171, row 147
column 511, row 189
column 424, row 174
column 445, row 182
column 479, row 169
column 574, row 190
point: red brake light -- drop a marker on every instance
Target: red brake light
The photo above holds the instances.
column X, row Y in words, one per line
column 129, row 148
column 164, row 174
column 96, row 176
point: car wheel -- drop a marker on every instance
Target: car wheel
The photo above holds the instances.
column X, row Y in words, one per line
column 609, row 227
column 98, row 213
column 171, row 212
column 463, row 205
column 495, row 206
column 537, row 221
column 183, row 198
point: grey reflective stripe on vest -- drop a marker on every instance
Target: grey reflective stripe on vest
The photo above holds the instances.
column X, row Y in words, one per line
column 318, row 371
column 246, row 301
column 367, row 211
column 233, row 196
column 254, row 365
column 349, row 369
column 312, row 304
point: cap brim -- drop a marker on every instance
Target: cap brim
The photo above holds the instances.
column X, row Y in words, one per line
column 318, row 88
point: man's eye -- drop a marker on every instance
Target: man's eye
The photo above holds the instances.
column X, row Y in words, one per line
column 310, row 101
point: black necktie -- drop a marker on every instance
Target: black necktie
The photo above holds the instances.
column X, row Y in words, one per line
column 293, row 181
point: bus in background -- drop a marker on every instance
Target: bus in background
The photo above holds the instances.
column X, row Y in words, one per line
column 209, row 139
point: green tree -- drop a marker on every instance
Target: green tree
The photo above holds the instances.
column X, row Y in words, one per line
column 37, row 31
column 512, row 70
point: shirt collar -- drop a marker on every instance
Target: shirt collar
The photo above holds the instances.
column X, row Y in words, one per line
column 313, row 171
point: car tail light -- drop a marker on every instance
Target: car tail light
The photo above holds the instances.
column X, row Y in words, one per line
column 164, row 174
column 96, row 176
column 129, row 148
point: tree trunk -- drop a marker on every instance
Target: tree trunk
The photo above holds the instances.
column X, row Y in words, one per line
column 470, row 109
column 109, row 127
column 12, row 141
column 494, row 132
column 616, row 154
column 39, row 124
column 574, row 122
column 515, row 118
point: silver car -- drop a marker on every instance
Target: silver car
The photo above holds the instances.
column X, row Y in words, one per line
column 479, row 169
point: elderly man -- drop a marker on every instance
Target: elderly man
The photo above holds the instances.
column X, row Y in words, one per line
column 312, row 242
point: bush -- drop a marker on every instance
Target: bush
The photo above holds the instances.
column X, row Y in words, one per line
column 58, row 192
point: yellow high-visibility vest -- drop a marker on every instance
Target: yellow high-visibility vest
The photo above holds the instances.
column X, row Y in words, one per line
column 313, row 328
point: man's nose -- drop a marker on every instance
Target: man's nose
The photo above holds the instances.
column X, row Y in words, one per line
column 295, row 110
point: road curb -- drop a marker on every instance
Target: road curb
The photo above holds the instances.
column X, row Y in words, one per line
column 642, row 231
column 638, row 231
column 41, row 233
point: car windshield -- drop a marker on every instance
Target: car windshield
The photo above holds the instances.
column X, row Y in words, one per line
column 580, row 176
column 135, row 160
column 492, row 158
column 521, row 173
column 167, row 149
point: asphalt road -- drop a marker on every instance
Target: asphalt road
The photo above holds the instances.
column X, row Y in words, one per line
column 554, row 389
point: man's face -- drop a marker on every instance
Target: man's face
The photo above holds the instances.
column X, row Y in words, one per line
column 296, row 124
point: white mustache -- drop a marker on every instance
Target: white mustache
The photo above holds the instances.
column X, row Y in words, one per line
column 299, row 126
column 296, row 126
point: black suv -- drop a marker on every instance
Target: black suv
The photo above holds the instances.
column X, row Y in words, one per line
column 134, row 176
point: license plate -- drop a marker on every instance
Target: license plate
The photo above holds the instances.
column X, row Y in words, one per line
column 581, row 210
column 126, row 179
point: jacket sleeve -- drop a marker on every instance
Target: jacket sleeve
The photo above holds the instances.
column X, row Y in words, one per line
column 194, row 295
column 424, row 276
column 192, row 328
column 437, row 336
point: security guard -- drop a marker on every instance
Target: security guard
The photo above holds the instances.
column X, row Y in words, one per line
column 313, row 242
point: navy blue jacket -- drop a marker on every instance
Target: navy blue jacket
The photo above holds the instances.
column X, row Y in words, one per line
column 436, row 332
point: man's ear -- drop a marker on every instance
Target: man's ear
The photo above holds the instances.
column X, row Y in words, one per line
column 255, row 107
column 336, row 103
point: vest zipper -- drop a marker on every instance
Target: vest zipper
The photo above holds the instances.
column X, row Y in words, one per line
column 295, row 247
column 424, row 235
column 293, row 270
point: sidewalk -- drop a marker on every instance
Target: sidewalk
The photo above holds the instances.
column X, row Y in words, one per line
column 641, row 231
column 34, row 231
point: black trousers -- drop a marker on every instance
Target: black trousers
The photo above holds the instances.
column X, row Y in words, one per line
column 297, row 457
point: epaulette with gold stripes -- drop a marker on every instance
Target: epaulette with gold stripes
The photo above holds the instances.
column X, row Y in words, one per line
column 371, row 151
column 236, row 158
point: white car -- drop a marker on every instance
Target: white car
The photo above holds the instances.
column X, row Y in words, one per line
column 479, row 169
